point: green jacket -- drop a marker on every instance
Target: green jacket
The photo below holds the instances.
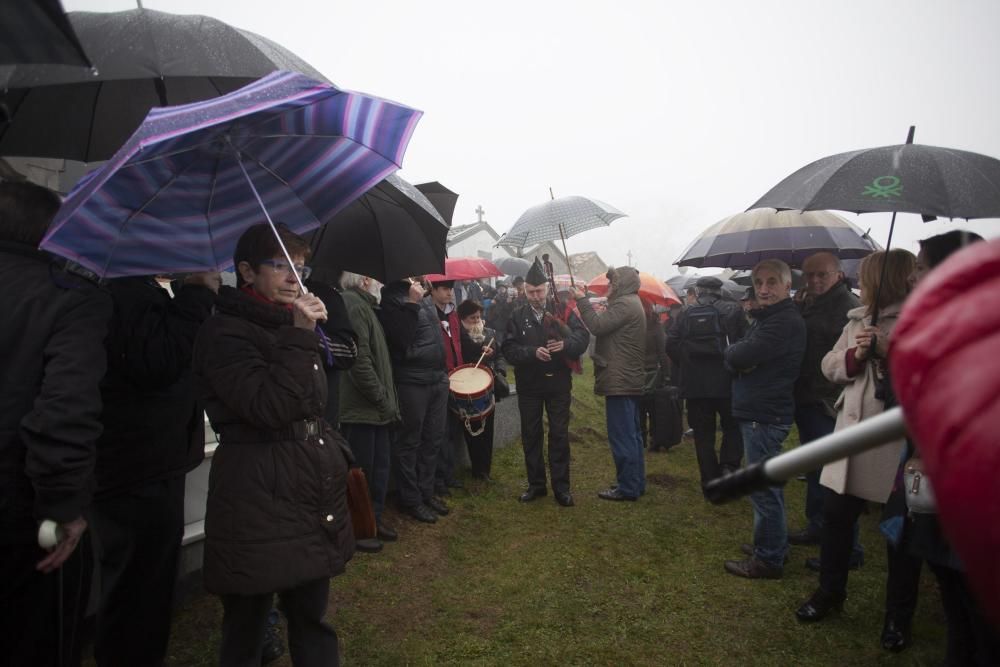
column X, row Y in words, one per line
column 367, row 391
column 620, row 351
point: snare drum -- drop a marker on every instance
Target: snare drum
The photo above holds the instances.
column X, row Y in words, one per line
column 471, row 395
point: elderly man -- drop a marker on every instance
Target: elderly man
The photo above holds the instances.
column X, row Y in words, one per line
column 767, row 362
column 824, row 310
column 53, row 356
column 542, row 348
column 369, row 404
column 696, row 343
column 619, row 376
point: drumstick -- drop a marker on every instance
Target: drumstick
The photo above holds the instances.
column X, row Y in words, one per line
column 483, row 355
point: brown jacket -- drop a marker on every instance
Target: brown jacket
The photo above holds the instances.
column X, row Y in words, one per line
column 870, row 474
column 620, row 350
column 277, row 510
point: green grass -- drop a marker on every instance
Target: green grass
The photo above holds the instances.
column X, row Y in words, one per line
column 502, row 583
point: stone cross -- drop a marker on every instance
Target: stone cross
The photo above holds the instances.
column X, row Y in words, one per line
column 480, row 211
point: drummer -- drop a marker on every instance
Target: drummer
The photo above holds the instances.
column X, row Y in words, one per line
column 541, row 350
column 478, row 340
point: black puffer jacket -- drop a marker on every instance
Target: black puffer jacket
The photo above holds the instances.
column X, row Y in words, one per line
column 825, row 318
column 52, row 356
column 153, row 424
column 413, row 333
column 277, row 508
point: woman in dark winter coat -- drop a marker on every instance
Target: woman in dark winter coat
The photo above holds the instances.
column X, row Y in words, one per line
column 277, row 518
column 477, row 339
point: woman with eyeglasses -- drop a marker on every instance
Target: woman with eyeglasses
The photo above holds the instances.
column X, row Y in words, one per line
column 277, row 518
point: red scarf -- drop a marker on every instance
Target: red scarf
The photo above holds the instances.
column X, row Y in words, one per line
column 452, row 343
column 248, row 289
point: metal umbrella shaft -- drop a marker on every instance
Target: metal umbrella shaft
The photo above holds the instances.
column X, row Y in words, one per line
column 777, row 470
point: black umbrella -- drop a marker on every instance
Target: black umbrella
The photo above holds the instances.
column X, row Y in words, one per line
column 144, row 58
column 37, row 31
column 906, row 178
column 391, row 232
column 444, row 200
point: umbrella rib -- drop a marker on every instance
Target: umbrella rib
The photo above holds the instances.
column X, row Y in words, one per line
column 270, row 171
column 90, row 130
column 180, row 151
column 208, row 211
column 133, row 214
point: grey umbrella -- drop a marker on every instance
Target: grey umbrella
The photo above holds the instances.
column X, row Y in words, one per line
column 513, row 266
column 143, row 58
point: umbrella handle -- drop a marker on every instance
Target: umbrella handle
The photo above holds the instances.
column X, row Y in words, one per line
column 277, row 236
column 483, row 355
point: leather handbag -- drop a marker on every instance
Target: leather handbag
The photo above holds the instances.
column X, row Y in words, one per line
column 359, row 502
column 919, row 493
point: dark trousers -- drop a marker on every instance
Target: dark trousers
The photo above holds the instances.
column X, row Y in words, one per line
column 424, row 410
column 555, row 402
column 311, row 641
column 137, row 540
column 444, row 475
column 30, row 606
column 840, row 516
column 701, row 414
column 971, row 638
column 372, row 452
column 481, row 447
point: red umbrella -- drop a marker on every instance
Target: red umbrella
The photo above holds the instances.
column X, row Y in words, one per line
column 946, row 374
column 466, row 268
column 651, row 289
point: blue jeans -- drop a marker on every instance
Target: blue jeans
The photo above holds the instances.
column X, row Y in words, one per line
column 770, row 535
column 622, row 415
column 814, row 423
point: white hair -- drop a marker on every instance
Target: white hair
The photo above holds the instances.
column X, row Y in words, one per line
column 776, row 265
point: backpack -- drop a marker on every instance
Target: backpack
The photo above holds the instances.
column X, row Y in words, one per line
column 703, row 336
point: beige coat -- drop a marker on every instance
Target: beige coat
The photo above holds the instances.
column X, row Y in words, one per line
column 870, row 474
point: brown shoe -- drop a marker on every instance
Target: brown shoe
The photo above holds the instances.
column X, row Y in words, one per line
column 748, row 550
column 751, row 568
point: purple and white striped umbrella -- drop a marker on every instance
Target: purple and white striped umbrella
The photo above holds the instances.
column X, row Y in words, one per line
column 178, row 195
column 742, row 240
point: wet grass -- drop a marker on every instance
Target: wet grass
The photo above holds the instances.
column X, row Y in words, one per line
column 502, row 583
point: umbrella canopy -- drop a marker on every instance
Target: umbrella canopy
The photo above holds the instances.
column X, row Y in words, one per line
column 565, row 281
column 651, row 289
column 182, row 190
column 144, row 59
column 466, row 268
column 389, row 233
column 680, row 285
column 906, row 178
column 742, row 240
column 38, row 32
column 513, row 266
column 559, row 219
column 442, row 198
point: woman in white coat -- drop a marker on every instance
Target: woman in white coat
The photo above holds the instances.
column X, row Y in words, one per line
column 868, row 476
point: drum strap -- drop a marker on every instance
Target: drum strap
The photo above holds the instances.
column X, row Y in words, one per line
column 474, row 432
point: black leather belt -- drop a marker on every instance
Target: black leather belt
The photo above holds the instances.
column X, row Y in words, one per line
column 298, row 430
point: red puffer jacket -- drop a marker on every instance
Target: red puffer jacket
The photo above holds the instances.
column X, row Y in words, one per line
column 946, row 371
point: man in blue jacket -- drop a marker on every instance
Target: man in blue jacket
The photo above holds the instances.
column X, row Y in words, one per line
column 766, row 363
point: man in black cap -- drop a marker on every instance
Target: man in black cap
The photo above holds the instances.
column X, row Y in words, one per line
column 541, row 349
column 696, row 343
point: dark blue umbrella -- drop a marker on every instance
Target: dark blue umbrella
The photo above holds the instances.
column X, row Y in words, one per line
column 192, row 178
column 742, row 240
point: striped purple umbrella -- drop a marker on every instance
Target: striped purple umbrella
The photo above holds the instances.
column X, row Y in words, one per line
column 742, row 240
column 178, row 195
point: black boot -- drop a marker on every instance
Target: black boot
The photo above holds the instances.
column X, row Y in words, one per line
column 895, row 634
column 818, row 606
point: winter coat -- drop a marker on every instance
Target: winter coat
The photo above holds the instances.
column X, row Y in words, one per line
column 154, row 426
column 525, row 334
column 413, row 333
column 767, row 362
column 367, row 391
column 277, row 512
column 870, row 474
column 825, row 317
column 620, row 350
column 699, row 376
column 52, row 355
column 341, row 346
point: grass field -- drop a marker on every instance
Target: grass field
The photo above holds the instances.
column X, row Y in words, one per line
column 502, row 583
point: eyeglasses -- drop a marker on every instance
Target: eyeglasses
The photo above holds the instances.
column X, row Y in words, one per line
column 279, row 266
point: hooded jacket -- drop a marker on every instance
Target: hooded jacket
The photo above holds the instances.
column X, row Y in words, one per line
column 277, row 512
column 620, row 350
column 367, row 390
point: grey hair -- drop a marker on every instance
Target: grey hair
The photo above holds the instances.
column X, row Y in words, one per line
column 350, row 280
column 776, row 265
